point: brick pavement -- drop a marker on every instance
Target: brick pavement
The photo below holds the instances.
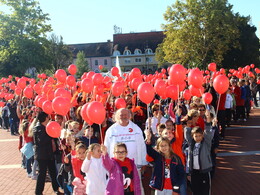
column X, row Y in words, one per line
column 235, row 175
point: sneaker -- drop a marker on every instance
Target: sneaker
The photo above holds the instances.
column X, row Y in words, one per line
column 29, row 175
column 34, row 177
column 244, row 119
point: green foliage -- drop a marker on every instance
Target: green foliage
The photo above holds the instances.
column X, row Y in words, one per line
column 248, row 52
column 82, row 63
column 60, row 55
column 23, row 42
column 198, row 32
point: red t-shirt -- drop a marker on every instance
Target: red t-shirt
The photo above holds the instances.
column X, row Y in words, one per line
column 76, row 165
column 167, row 175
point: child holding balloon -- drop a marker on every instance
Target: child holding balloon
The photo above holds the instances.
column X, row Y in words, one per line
column 94, row 170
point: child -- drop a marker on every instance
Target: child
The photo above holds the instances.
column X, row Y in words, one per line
column 168, row 169
column 160, row 129
column 73, row 163
column 88, row 137
column 123, row 175
column 199, row 157
column 95, row 172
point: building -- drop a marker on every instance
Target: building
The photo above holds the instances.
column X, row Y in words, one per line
column 95, row 53
column 137, row 50
column 134, row 50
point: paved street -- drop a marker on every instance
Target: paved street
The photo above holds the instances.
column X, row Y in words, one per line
column 238, row 171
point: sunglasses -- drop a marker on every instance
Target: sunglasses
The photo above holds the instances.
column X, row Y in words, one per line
column 201, row 110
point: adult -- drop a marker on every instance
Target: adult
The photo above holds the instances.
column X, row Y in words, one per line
column 45, row 147
column 125, row 131
column 152, row 122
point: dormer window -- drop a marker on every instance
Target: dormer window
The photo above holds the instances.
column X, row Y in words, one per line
column 116, row 53
column 137, row 51
column 127, row 52
column 148, row 51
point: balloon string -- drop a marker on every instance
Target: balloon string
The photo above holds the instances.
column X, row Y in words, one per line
column 89, row 137
column 101, row 137
column 178, row 91
column 218, row 105
column 147, row 110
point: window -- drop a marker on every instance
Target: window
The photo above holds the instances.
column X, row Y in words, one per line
column 116, row 53
column 127, row 52
column 148, row 59
column 148, row 51
column 138, row 60
column 105, row 62
column 96, row 62
column 137, row 52
column 127, row 60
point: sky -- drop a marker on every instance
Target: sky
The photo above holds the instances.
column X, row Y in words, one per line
column 90, row 21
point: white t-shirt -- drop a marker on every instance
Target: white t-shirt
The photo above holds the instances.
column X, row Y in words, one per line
column 196, row 149
column 154, row 123
column 229, row 101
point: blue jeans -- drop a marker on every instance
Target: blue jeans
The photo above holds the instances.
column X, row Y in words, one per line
column 29, row 165
column 14, row 123
column 183, row 186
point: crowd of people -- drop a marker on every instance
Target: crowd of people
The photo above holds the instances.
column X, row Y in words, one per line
column 167, row 147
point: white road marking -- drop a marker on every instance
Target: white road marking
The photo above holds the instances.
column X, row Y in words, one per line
column 239, row 153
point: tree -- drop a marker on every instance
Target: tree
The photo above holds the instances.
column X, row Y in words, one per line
column 82, row 63
column 248, row 52
column 23, row 42
column 60, row 54
column 198, row 32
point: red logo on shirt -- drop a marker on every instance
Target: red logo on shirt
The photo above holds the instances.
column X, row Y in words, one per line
column 131, row 130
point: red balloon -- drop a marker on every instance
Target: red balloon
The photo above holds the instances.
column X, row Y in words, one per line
column 2, row 104
column 182, row 86
column 145, row 92
column 50, row 95
column 186, row 94
column 53, row 129
column 99, row 89
column 97, row 78
column 96, row 112
column 178, row 73
column 206, row 72
column 61, row 75
column 160, row 87
column 90, row 74
column 172, row 92
column 47, row 107
column 21, row 83
column 84, row 115
column 40, row 101
column 120, row 103
column 87, row 85
column 71, row 81
column 221, row 84
column 195, row 91
column 135, row 83
column 18, row 91
column 72, row 69
column 212, row 67
column 252, row 65
column 136, row 73
column 117, row 88
column 100, row 67
column 195, row 78
column 114, row 71
column 62, row 93
column 207, row 98
column 28, row 92
column 61, row 105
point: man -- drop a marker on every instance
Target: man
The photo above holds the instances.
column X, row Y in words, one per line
column 127, row 132
column 45, row 147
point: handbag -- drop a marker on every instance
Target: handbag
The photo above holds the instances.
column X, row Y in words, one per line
column 27, row 150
